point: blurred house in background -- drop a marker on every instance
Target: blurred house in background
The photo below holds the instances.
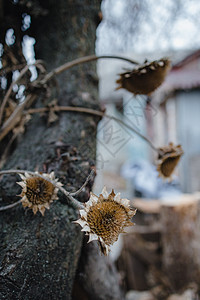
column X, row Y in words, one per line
column 173, row 115
column 178, row 117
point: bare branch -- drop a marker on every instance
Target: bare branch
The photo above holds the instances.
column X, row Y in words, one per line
column 10, row 205
column 22, row 73
column 85, row 183
column 81, row 60
column 12, row 121
column 92, row 112
column 11, row 69
column 15, row 116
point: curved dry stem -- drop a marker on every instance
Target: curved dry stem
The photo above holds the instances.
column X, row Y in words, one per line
column 5, row 100
column 7, row 127
column 85, row 183
column 10, row 205
column 92, row 112
column 9, row 69
column 82, row 60
column 74, row 202
column 15, row 116
column 21, row 74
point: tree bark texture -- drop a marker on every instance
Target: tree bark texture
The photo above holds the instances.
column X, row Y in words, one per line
column 97, row 277
column 39, row 255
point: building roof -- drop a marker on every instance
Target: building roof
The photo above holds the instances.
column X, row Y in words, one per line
column 184, row 74
column 187, row 59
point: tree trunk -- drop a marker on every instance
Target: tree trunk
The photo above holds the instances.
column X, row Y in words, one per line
column 97, row 277
column 38, row 254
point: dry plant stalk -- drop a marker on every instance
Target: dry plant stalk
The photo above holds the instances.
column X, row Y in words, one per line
column 103, row 218
column 154, row 73
column 36, row 188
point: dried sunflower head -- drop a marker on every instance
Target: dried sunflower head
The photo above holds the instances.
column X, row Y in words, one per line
column 145, row 79
column 105, row 217
column 37, row 193
column 168, row 159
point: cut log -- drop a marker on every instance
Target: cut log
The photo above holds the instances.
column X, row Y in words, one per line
column 180, row 219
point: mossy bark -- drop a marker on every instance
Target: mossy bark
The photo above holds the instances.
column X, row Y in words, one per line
column 39, row 255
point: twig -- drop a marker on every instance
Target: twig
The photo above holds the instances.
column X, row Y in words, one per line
column 66, row 108
column 10, row 125
column 24, row 70
column 10, row 205
column 12, row 68
column 92, row 112
column 85, row 183
column 81, row 60
column 22, row 73
column 134, row 130
column 15, row 116
column 74, row 202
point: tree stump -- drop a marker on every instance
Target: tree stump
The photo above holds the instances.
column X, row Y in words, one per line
column 180, row 219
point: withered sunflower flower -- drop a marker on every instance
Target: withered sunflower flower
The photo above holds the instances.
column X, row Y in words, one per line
column 168, row 159
column 145, row 79
column 37, row 193
column 105, row 217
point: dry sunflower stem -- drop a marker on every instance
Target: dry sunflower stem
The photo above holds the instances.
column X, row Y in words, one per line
column 38, row 63
column 168, row 159
column 7, row 126
column 104, row 218
column 159, row 67
column 94, row 112
column 146, row 78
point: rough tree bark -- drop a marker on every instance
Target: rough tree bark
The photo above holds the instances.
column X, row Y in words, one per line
column 39, row 255
column 96, row 278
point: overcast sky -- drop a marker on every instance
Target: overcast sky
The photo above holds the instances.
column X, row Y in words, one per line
column 148, row 25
